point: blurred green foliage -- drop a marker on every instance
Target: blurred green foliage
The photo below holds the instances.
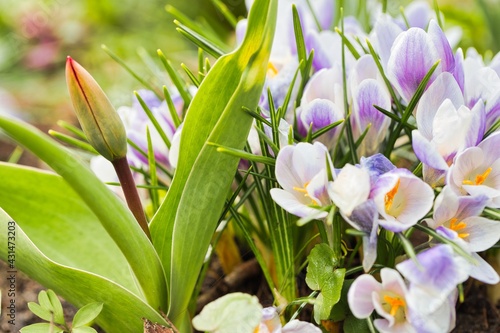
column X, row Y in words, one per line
column 37, row 35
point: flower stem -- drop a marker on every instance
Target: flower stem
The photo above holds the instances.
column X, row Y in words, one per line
column 128, row 185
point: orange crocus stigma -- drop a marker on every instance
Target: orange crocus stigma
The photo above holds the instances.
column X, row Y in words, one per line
column 389, row 197
column 479, row 178
column 395, row 303
column 457, row 226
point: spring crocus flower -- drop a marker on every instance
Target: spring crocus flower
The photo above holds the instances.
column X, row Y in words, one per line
column 98, row 118
column 350, row 193
column 441, row 108
column 461, row 214
column 322, row 104
column 368, row 90
column 413, row 54
column 387, row 298
column 301, row 171
column 402, row 199
column 476, row 171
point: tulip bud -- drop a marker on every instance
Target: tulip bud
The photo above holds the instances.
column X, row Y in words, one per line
column 99, row 120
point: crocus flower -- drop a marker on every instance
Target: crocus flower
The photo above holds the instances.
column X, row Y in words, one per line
column 402, row 199
column 301, row 171
column 476, row 171
column 97, row 116
column 367, row 90
column 461, row 214
column 350, row 193
column 413, row 53
column 322, row 104
column 441, row 108
column 388, row 298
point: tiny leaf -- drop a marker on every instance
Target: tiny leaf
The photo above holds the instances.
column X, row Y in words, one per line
column 83, row 329
column 57, row 308
column 41, row 328
column 39, row 311
column 87, row 314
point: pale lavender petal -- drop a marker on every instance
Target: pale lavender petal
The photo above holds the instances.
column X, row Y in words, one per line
column 446, row 206
column 477, row 125
column 365, row 218
column 308, row 159
column 433, row 177
column 386, row 33
column 470, row 206
column 442, row 46
column 241, row 29
column 370, row 93
column 317, row 188
column 427, row 152
column 384, row 326
column 149, row 97
column 323, row 43
column 286, row 174
column 412, row 56
column 419, row 13
column 325, row 84
column 294, row 205
column 490, row 148
column 439, row 271
column 458, row 71
column 359, row 296
column 483, row 271
column 492, row 110
column 320, row 113
column 483, row 233
column 444, row 87
column 324, row 11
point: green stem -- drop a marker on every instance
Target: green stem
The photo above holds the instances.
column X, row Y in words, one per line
column 131, row 195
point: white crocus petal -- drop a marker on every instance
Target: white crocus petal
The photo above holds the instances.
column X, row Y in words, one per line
column 445, row 207
column 350, row 188
column 359, row 296
column 402, row 199
column 482, row 271
column 294, row 204
column 481, row 233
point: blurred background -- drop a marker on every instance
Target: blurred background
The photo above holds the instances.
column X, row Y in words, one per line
column 37, row 35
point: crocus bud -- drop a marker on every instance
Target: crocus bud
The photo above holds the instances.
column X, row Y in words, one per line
column 99, row 120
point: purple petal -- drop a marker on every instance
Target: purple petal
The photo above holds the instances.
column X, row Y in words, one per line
column 426, row 152
column 442, row 46
column 323, row 43
column 412, row 56
column 458, row 71
column 386, row 33
column 377, row 165
column 438, row 270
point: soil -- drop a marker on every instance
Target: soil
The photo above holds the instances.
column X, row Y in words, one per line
column 476, row 315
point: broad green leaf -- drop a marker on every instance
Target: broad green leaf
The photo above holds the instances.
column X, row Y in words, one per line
column 232, row 313
column 41, row 328
column 110, row 210
column 60, row 224
column 355, row 325
column 122, row 312
column 40, row 311
column 87, row 314
column 183, row 227
column 321, row 266
column 323, row 275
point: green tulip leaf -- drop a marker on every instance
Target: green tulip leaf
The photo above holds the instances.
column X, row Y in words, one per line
column 182, row 228
column 122, row 311
column 60, row 224
column 112, row 212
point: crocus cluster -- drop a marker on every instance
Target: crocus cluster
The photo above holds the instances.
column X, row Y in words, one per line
column 449, row 131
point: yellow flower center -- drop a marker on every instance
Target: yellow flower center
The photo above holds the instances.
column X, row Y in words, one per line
column 394, row 304
column 457, row 226
column 272, row 71
column 304, row 190
column 389, row 197
column 479, row 178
